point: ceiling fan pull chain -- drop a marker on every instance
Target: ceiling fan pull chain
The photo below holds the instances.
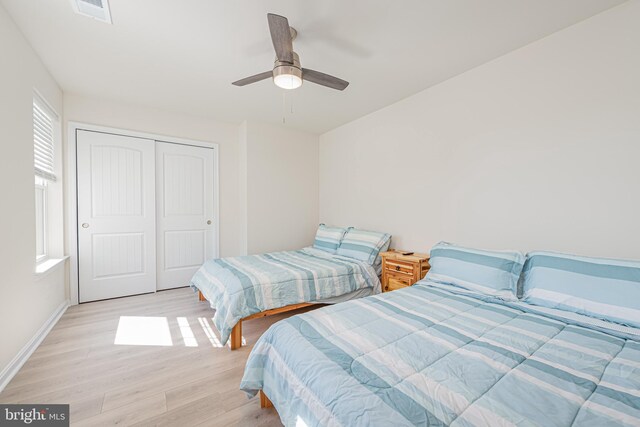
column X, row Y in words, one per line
column 284, row 107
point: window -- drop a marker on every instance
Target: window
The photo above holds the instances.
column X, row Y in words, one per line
column 41, row 219
column 45, row 129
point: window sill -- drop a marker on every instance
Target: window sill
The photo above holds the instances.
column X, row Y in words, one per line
column 49, row 266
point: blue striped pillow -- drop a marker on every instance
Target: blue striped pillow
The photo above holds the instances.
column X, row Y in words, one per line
column 363, row 245
column 493, row 273
column 603, row 288
column 328, row 238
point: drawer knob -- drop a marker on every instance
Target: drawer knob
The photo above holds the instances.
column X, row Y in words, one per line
column 397, row 268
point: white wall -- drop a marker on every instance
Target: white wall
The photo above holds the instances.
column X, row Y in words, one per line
column 26, row 302
column 127, row 117
column 242, row 187
column 282, row 200
column 537, row 149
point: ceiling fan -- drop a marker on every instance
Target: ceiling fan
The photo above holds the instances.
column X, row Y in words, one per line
column 287, row 72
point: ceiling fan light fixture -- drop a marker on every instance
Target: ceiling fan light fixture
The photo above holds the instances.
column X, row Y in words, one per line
column 287, row 77
column 287, row 71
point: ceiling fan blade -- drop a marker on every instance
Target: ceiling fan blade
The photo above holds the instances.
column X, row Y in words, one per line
column 324, row 79
column 253, row 79
column 281, row 37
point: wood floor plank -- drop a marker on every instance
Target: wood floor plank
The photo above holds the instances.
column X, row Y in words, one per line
column 193, row 381
column 86, row 408
column 202, row 387
column 247, row 415
column 133, row 413
column 193, row 414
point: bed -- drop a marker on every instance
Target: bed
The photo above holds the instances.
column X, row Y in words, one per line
column 242, row 288
column 438, row 355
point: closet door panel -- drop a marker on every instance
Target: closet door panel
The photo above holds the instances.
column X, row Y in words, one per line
column 184, row 182
column 116, row 215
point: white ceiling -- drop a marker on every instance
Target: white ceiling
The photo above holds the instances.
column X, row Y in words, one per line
column 182, row 55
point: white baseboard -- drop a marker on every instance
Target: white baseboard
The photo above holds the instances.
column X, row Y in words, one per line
column 23, row 355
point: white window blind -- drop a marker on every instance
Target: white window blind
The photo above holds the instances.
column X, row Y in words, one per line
column 43, row 128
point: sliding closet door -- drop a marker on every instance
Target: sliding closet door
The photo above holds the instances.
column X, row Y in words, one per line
column 116, row 215
column 186, row 227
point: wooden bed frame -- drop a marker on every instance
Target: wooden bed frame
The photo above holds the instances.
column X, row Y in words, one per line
column 236, row 332
column 264, row 401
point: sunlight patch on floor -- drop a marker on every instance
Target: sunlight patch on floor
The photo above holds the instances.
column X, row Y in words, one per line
column 187, row 333
column 208, row 331
column 142, row 330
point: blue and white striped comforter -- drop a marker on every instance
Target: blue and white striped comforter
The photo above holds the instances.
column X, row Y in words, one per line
column 237, row 287
column 428, row 356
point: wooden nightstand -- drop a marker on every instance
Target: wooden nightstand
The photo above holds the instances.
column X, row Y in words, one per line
column 400, row 271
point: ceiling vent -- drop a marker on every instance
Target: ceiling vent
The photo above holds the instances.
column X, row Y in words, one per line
column 96, row 9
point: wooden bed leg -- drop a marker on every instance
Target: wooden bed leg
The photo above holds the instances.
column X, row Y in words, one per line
column 264, row 401
column 236, row 336
column 201, row 296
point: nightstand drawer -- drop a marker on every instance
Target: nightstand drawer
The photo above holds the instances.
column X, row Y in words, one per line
column 399, row 267
column 398, row 282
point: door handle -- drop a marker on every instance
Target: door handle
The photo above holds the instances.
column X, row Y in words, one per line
column 85, row 225
column 209, row 222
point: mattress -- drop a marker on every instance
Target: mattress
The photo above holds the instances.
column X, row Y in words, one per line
column 237, row 287
column 426, row 355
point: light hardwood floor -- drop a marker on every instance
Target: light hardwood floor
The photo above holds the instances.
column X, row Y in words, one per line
column 85, row 362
